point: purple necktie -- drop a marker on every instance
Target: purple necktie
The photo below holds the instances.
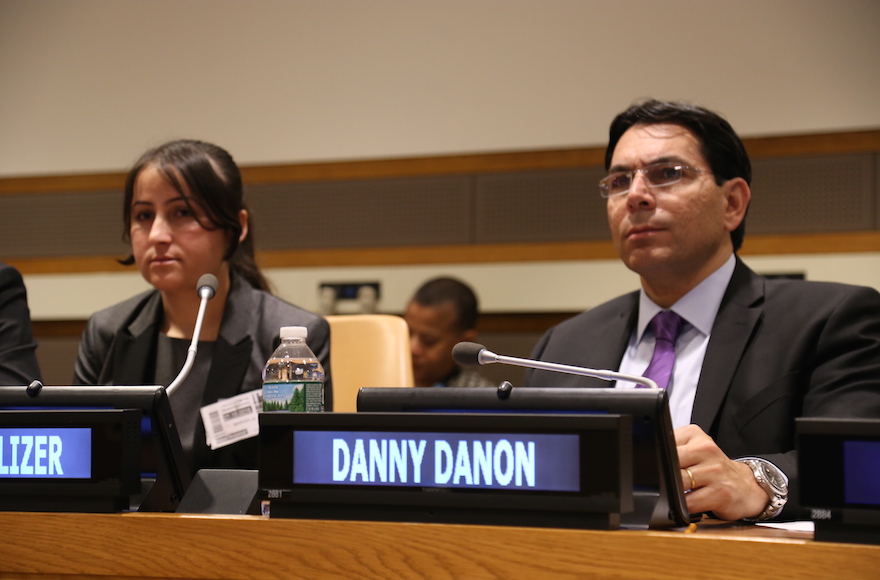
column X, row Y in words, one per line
column 667, row 326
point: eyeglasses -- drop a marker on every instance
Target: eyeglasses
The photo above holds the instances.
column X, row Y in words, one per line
column 658, row 174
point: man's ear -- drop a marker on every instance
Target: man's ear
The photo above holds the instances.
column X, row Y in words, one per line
column 469, row 335
column 738, row 195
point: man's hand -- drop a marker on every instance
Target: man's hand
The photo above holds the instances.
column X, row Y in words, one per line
column 725, row 487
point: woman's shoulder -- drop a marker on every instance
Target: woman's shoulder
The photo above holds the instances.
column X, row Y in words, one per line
column 267, row 310
column 274, row 307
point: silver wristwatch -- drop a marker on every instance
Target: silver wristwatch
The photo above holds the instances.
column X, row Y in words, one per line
column 773, row 481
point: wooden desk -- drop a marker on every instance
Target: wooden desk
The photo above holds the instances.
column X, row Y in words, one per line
column 47, row 545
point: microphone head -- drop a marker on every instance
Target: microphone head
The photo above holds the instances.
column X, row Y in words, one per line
column 207, row 283
column 467, row 353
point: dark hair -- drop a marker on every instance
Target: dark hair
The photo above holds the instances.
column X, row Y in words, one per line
column 213, row 178
column 720, row 145
column 440, row 290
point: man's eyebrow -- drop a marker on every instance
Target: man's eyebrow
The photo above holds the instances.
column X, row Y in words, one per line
column 664, row 159
column 669, row 159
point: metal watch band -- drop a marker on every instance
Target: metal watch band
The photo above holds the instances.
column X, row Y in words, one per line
column 777, row 500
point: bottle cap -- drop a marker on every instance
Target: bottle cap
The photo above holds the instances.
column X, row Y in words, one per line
column 294, row 332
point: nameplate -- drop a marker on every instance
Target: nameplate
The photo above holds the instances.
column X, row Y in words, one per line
column 46, row 453
column 523, row 469
column 839, row 474
column 68, row 460
column 524, row 461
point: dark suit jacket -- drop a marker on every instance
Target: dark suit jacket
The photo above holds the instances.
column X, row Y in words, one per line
column 118, row 347
column 779, row 349
column 18, row 358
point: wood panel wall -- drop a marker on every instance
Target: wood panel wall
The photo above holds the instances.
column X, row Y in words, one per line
column 789, row 146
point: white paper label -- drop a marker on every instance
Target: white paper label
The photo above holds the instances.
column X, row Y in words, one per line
column 230, row 420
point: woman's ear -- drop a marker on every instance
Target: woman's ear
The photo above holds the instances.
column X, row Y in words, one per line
column 243, row 220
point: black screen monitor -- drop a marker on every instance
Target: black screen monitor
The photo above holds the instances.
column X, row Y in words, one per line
column 165, row 474
column 657, row 487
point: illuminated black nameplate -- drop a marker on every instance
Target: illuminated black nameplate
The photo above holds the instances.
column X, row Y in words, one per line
column 839, row 469
column 43, row 453
column 524, row 469
column 539, row 462
column 68, row 460
column 160, row 456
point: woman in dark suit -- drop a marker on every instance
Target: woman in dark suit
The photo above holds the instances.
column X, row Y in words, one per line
column 184, row 216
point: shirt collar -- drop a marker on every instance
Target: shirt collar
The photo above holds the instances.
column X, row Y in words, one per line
column 698, row 307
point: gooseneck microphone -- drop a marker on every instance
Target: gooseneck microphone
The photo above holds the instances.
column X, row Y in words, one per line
column 471, row 353
column 206, row 289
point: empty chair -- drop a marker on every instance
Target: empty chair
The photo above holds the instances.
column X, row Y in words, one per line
column 367, row 350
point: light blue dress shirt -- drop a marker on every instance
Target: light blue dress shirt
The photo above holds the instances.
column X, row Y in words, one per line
column 698, row 308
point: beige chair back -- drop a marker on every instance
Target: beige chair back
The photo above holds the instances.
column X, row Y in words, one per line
column 367, row 350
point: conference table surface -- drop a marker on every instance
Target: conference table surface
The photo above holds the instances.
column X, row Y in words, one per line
column 135, row 545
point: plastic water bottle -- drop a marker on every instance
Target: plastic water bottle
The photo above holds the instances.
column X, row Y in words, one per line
column 293, row 378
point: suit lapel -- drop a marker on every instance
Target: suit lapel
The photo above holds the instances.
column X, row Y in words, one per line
column 234, row 344
column 741, row 309
column 227, row 371
column 134, row 355
column 611, row 337
column 617, row 334
column 131, row 359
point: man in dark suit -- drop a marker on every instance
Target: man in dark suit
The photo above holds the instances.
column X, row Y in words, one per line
column 751, row 354
column 18, row 359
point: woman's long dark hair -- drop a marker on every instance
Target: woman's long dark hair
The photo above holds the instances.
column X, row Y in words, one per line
column 213, row 179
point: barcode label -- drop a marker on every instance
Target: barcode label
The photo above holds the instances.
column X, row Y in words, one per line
column 231, row 420
column 216, row 425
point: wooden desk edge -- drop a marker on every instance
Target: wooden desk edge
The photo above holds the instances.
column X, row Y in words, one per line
column 197, row 546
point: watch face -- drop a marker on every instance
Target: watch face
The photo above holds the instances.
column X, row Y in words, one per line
column 773, row 477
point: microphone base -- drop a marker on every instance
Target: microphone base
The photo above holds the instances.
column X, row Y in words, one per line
column 222, row 491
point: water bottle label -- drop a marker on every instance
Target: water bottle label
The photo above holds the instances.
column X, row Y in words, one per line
column 305, row 396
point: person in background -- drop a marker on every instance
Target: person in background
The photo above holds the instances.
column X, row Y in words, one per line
column 751, row 354
column 18, row 358
column 442, row 313
column 184, row 216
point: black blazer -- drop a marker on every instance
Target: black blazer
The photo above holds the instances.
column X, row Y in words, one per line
column 18, row 358
column 118, row 347
column 779, row 349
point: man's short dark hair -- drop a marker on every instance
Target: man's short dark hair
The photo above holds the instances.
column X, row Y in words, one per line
column 440, row 290
column 720, row 145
